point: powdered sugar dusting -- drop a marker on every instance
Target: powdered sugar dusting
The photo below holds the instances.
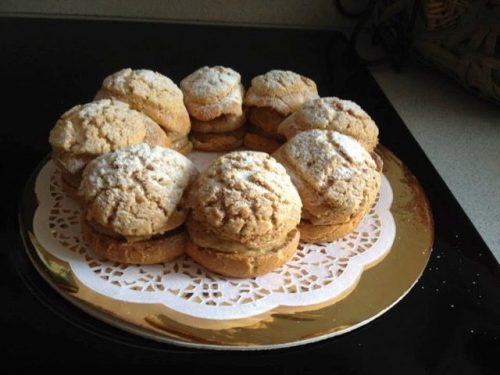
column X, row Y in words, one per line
column 133, row 191
column 151, row 77
column 352, row 149
column 99, row 127
column 343, row 173
column 143, row 83
column 350, row 106
column 214, row 81
column 235, row 96
column 231, row 104
column 96, row 108
column 334, row 183
column 246, row 197
column 283, row 81
column 317, row 112
column 332, row 113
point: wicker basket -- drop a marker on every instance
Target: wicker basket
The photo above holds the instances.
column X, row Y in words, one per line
column 443, row 14
column 462, row 38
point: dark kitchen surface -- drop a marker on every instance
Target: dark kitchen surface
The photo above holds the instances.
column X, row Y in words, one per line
column 448, row 324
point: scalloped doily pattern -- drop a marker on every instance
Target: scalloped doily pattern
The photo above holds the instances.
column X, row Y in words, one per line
column 317, row 273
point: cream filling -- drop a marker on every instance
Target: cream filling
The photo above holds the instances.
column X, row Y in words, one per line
column 204, row 237
column 221, row 124
column 175, row 221
column 266, row 118
column 205, row 137
column 230, row 104
column 263, row 133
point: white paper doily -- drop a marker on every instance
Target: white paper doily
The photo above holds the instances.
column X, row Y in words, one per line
column 317, row 273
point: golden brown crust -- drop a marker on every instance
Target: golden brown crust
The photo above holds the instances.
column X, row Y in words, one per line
column 152, row 94
column 328, row 233
column 135, row 190
column 156, row 136
column 378, row 161
column 209, row 85
column 188, row 147
column 221, row 124
column 183, row 145
column 239, row 265
column 93, row 129
column 257, row 142
column 98, row 127
column 210, row 92
column 284, row 91
column 336, row 114
column 230, row 106
column 335, row 176
column 217, row 142
column 156, row 250
column 173, row 120
column 175, row 123
column 268, row 120
column 244, row 197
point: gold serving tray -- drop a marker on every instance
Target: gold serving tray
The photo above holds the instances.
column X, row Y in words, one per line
column 378, row 289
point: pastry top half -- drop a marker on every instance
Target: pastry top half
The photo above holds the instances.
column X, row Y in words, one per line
column 211, row 92
column 244, row 201
column 336, row 114
column 335, row 176
column 137, row 191
column 151, row 93
column 87, row 131
column 281, row 90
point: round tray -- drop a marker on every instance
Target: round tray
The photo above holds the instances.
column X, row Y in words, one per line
column 379, row 288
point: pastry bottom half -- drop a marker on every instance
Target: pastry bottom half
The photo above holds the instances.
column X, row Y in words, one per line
column 237, row 264
column 159, row 249
column 327, row 233
column 218, row 142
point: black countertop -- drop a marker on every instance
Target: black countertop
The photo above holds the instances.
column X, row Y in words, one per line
column 448, row 324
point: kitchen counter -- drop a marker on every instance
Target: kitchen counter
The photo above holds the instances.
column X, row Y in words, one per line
column 460, row 134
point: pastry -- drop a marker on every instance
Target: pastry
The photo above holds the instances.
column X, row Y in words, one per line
column 343, row 116
column 337, row 179
column 244, row 211
column 154, row 95
column 213, row 98
column 211, row 142
column 133, row 204
column 270, row 99
column 93, row 129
